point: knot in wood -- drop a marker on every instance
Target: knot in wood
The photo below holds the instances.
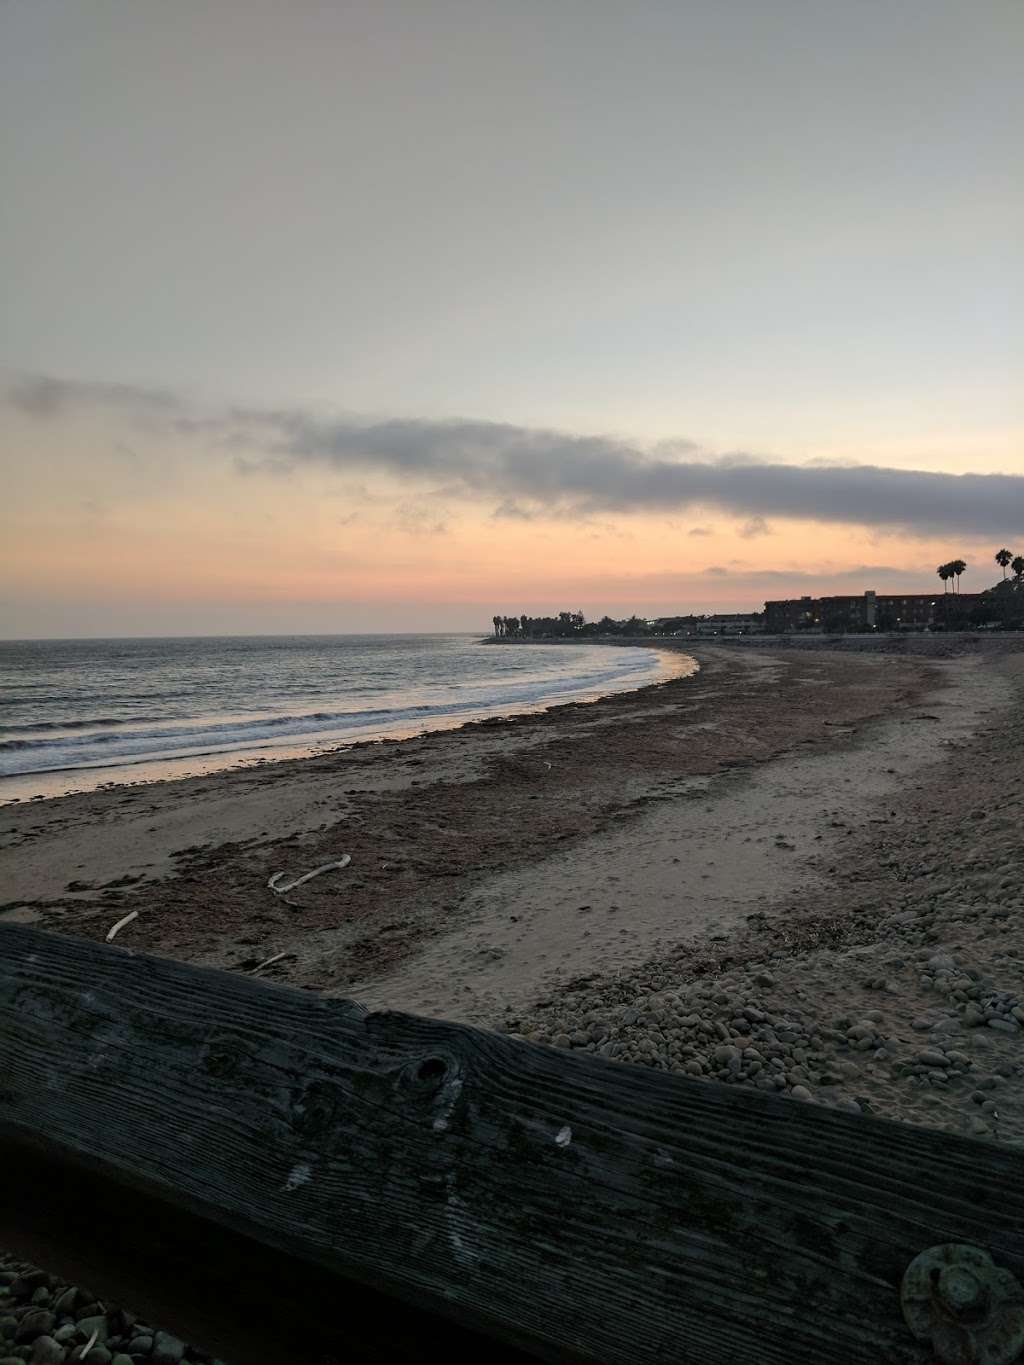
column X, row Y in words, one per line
column 427, row 1074
column 969, row 1309
column 315, row 1113
column 222, row 1058
column 432, row 1084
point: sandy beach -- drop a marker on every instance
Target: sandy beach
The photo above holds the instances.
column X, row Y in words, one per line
column 799, row 869
column 620, row 876
column 430, row 823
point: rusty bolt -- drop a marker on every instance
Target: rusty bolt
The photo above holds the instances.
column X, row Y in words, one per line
column 970, row 1310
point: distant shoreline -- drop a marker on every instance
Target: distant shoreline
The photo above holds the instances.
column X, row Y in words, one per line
column 936, row 645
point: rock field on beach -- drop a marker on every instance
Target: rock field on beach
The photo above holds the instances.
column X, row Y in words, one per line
column 46, row 1321
column 900, row 993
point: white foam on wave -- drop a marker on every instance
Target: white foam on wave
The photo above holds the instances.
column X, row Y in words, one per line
column 531, row 678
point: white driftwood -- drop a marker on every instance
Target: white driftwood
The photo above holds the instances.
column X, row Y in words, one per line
column 279, row 888
column 267, row 961
column 115, row 928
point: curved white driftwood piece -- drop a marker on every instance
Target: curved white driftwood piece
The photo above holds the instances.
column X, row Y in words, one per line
column 267, row 962
column 279, row 888
column 114, row 928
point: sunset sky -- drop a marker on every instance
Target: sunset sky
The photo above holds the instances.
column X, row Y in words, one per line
column 338, row 317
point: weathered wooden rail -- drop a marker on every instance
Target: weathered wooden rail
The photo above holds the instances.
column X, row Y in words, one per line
column 254, row 1166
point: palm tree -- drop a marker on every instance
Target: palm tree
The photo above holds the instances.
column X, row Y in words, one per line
column 958, row 566
column 1003, row 558
column 1018, row 566
column 945, row 573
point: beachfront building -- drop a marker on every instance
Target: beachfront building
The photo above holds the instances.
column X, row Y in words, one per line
column 731, row 623
column 726, row 623
column 794, row 613
column 868, row 611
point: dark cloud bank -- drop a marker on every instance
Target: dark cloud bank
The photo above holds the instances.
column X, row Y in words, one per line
column 531, row 471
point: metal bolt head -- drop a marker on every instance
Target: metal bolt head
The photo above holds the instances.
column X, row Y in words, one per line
column 970, row 1310
column 960, row 1290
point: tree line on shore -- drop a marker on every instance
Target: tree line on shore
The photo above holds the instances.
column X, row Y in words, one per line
column 574, row 624
column 563, row 625
column 1000, row 605
column 1004, row 558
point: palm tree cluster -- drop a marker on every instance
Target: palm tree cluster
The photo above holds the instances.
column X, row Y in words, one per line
column 953, row 569
column 1006, row 558
column 511, row 627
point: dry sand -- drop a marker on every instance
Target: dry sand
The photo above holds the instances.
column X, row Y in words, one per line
column 701, row 876
column 890, row 979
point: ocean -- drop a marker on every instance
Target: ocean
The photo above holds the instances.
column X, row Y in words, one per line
column 75, row 714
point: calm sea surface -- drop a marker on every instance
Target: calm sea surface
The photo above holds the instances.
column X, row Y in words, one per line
column 78, row 713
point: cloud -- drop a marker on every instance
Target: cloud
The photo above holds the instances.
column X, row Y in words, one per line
column 247, row 468
column 701, row 531
column 509, row 510
column 560, row 473
column 553, row 473
column 415, row 520
column 756, row 526
column 752, row 583
column 42, row 396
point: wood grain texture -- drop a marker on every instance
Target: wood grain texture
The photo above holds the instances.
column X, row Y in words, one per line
column 567, row 1206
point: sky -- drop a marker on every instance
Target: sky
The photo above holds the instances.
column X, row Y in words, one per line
column 390, row 316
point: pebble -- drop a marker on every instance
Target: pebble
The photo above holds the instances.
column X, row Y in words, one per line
column 94, row 1323
column 47, row 1351
column 65, row 1301
column 34, row 1324
column 167, row 1350
column 931, row 1058
column 25, row 1285
column 800, row 1092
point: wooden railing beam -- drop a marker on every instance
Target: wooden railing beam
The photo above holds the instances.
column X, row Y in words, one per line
column 558, row 1205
